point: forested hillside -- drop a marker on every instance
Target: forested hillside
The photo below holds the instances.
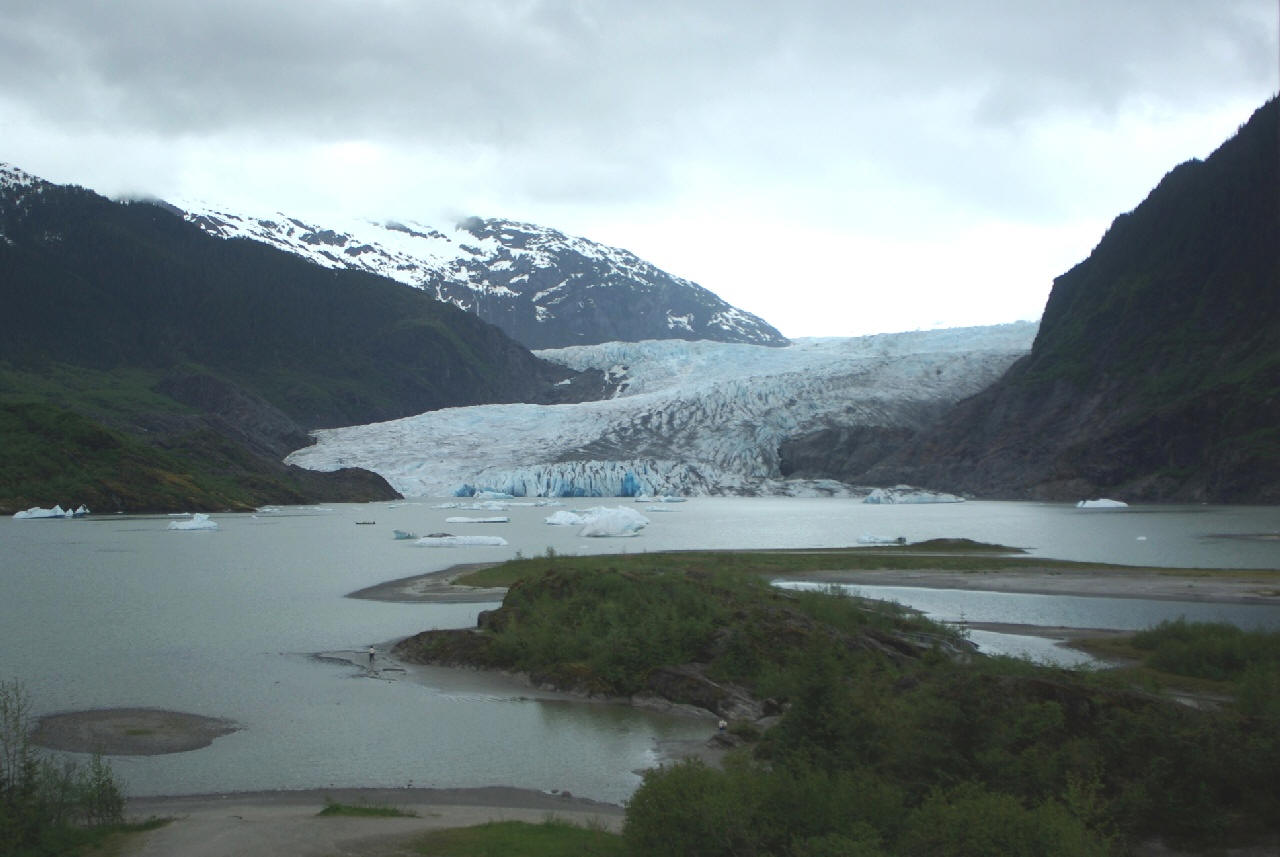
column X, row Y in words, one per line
column 225, row 352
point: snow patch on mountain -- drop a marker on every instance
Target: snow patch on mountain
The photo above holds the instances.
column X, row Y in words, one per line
column 539, row 285
column 688, row 418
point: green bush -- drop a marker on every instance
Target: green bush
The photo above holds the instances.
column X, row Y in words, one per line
column 45, row 804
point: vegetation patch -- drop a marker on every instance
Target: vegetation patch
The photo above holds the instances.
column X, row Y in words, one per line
column 875, row 732
column 50, row 806
column 958, row 555
column 551, row 838
column 364, row 810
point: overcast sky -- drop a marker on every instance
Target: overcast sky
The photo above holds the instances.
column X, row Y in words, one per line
column 838, row 168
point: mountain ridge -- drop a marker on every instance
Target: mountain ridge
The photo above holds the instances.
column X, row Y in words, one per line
column 545, row 289
column 203, row 361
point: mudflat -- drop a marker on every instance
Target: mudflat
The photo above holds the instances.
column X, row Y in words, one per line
column 129, row 731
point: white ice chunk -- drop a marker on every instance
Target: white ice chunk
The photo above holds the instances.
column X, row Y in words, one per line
column 460, row 541
column 907, row 494
column 495, row 519
column 38, row 512
column 1102, row 503
column 565, row 518
column 881, row 540
column 606, row 522
column 199, row 521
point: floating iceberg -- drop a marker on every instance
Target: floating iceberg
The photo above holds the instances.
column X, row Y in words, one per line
column 881, row 540
column 38, row 512
column 565, row 518
column 496, row 519
column 199, row 521
column 55, row 512
column 907, row 494
column 661, row 498
column 602, row 522
column 460, row 541
column 1102, row 503
column 403, row 535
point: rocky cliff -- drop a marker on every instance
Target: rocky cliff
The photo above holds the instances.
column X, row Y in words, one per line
column 1155, row 374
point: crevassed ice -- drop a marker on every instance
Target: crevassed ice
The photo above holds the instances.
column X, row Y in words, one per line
column 695, row 417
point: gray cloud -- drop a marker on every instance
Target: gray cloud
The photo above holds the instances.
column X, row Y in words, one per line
column 882, row 114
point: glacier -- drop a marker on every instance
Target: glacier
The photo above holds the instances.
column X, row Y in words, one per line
column 688, row 418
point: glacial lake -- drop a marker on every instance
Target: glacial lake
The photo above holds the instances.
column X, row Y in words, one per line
column 120, row 611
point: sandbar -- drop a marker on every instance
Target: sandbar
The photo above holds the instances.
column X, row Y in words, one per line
column 129, row 731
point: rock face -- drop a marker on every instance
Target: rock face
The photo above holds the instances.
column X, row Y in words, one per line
column 543, row 288
column 1155, row 374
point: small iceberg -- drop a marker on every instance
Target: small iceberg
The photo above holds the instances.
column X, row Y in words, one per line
column 55, row 512
column 38, row 512
column 199, row 521
column 496, row 519
column 899, row 494
column 601, row 521
column 460, row 541
column 403, row 535
column 604, row 522
column 565, row 518
column 662, row 498
column 881, row 540
column 1102, row 503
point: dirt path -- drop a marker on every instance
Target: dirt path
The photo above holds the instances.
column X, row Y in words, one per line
column 271, row 824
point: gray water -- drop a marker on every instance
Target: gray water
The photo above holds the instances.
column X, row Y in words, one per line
column 119, row 611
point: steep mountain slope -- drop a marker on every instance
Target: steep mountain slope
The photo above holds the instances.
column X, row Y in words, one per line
column 543, row 288
column 1156, row 371
column 689, row 417
column 224, row 353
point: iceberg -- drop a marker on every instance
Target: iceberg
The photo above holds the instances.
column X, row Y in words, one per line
column 565, row 518
column 38, row 512
column 199, row 521
column 55, row 512
column 907, row 494
column 881, row 540
column 496, row 519
column 460, row 541
column 1102, row 503
column 604, row 522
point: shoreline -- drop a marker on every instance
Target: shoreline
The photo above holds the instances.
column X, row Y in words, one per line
column 254, row 823
column 1224, row 586
column 269, row 823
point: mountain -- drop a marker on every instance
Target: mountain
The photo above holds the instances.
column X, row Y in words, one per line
column 1156, row 371
column 543, row 288
column 688, row 418
column 138, row 353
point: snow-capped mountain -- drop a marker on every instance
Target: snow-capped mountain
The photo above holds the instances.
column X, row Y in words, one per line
column 543, row 288
column 689, row 418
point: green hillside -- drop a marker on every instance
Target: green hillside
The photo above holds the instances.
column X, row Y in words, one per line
column 207, row 360
column 1156, row 371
